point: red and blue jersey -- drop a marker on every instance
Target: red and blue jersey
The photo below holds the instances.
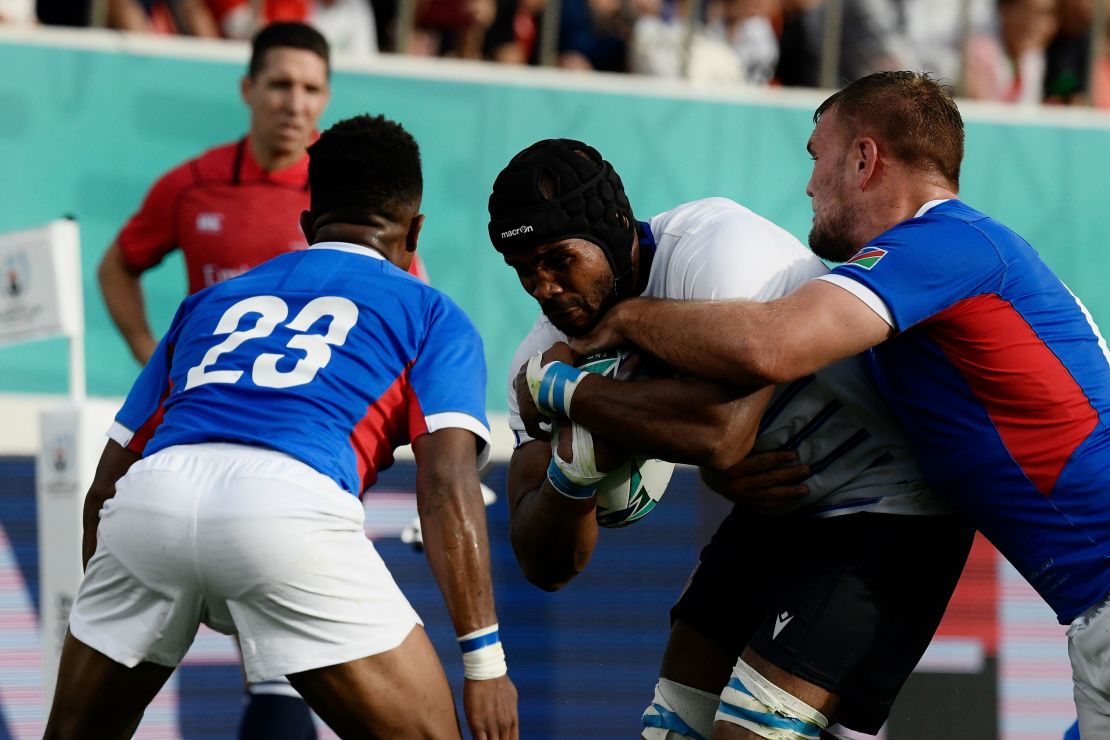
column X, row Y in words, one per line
column 331, row 355
column 1002, row 382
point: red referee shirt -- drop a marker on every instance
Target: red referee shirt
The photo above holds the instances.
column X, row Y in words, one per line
column 224, row 212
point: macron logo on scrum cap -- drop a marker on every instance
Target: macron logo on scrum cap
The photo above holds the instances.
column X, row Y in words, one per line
column 516, row 232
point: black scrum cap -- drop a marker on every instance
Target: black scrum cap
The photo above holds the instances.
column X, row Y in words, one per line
column 586, row 201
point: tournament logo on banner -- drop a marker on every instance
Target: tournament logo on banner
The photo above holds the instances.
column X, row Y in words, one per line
column 17, row 306
column 59, row 464
column 17, row 268
column 40, row 283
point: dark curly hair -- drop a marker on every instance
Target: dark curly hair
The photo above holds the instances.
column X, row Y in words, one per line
column 366, row 165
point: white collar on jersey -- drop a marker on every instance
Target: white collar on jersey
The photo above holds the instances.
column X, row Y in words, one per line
column 929, row 206
column 348, row 247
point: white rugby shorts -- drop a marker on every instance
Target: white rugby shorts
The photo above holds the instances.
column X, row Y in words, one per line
column 246, row 540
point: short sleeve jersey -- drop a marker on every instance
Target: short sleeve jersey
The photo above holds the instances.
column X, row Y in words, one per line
column 716, row 249
column 223, row 211
column 1002, row 381
column 331, row 355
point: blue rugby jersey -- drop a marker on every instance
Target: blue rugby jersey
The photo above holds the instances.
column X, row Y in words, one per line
column 331, row 355
column 1002, row 382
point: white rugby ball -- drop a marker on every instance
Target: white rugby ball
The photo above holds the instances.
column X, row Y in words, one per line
column 634, row 487
column 631, row 490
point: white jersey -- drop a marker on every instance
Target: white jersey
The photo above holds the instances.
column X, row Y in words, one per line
column 836, row 422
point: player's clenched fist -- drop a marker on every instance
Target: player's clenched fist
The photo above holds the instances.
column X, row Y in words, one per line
column 537, row 423
column 490, row 707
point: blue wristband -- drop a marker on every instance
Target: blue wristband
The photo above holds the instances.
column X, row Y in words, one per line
column 552, row 396
column 564, row 485
column 482, row 654
column 469, row 645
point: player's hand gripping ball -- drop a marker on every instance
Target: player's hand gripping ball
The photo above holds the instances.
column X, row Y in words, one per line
column 633, row 488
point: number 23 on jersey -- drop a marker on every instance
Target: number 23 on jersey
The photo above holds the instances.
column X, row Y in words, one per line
column 271, row 312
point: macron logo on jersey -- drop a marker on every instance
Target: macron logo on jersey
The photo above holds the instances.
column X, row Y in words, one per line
column 867, row 257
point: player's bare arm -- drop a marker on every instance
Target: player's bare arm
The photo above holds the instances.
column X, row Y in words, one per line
column 686, row 420
column 123, row 295
column 114, row 462
column 682, row 420
column 553, row 536
column 744, row 342
column 452, row 518
column 700, row 423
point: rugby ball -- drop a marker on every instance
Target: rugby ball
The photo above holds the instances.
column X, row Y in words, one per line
column 634, row 487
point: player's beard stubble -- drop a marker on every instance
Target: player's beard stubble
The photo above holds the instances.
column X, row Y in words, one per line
column 587, row 308
column 831, row 237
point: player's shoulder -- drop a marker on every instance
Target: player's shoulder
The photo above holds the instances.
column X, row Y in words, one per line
column 949, row 227
column 219, row 163
column 723, row 242
column 434, row 297
column 951, row 216
column 367, row 281
column 724, row 220
column 953, row 210
column 437, row 308
column 357, row 263
column 214, row 164
column 691, row 214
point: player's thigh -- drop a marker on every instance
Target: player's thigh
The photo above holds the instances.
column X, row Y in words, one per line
column 857, row 613
column 144, row 560
column 96, row 697
column 727, row 596
column 401, row 693
column 721, row 606
column 287, row 566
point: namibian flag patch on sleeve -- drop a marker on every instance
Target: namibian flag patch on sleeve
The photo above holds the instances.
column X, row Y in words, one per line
column 867, row 257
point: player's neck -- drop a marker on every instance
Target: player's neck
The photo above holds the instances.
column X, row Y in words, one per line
column 901, row 202
column 386, row 238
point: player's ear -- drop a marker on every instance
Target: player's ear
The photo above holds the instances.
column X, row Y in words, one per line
column 867, row 159
column 413, row 234
column 308, row 226
column 244, row 87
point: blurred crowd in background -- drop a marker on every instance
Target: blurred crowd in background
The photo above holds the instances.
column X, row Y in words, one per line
column 1017, row 51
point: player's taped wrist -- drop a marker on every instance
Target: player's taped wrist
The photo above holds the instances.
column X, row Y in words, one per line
column 552, row 385
column 577, row 479
column 482, row 654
